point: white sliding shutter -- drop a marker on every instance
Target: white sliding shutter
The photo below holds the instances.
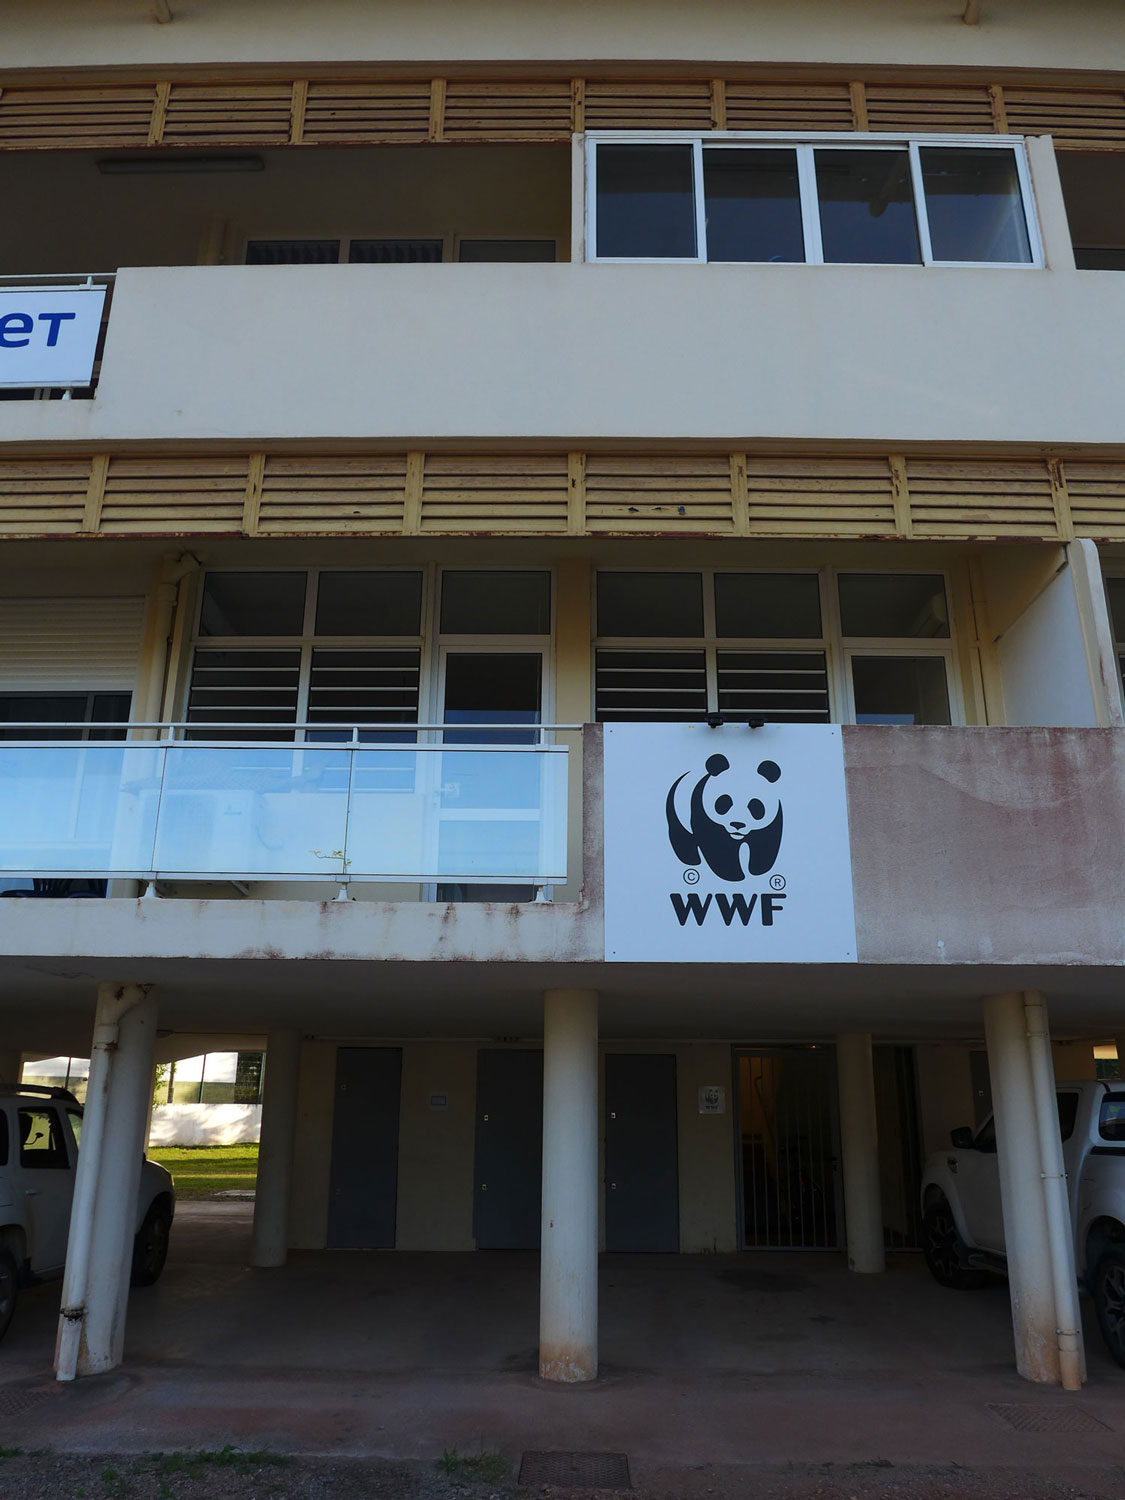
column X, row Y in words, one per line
column 70, row 645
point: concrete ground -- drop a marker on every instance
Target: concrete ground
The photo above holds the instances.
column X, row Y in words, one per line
column 760, row 1359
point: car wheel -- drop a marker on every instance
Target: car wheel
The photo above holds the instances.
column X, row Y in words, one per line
column 9, row 1286
column 150, row 1247
column 944, row 1249
column 1109, row 1300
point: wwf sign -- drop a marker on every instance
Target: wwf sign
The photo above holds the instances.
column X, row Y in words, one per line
column 727, row 845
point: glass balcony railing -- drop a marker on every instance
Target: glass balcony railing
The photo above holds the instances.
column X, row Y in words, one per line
column 168, row 808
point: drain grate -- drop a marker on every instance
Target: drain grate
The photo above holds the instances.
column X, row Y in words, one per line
column 1049, row 1419
column 16, row 1399
column 587, row 1471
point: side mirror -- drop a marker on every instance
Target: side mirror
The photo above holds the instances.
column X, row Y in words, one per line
column 962, row 1137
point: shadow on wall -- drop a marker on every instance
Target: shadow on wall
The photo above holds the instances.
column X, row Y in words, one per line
column 205, row 1125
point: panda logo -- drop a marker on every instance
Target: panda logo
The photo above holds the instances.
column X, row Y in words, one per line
column 725, row 815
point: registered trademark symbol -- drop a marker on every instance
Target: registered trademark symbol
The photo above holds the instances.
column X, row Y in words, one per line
column 691, row 877
column 777, row 882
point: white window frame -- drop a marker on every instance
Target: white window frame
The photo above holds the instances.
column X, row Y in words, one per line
column 806, row 143
column 837, row 648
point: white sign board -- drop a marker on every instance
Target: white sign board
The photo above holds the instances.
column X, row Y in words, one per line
column 727, row 845
column 49, row 335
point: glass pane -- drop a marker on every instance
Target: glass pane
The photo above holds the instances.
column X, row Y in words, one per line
column 778, row 605
column 109, row 708
column 506, row 250
column 753, row 205
column 363, row 687
column 974, row 205
column 894, row 605
column 263, row 810
column 900, row 690
column 650, row 687
column 1068, row 1114
column 253, row 604
column 782, row 687
column 490, row 688
column 41, row 1139
column 646, row 201
column 395, row 252
column 42, row 711
column 369, row 604
column 504, row 603
column 867, row 207
column 1115, row 593
column 632, row 604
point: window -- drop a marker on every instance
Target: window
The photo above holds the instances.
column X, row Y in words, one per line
column 41, row 1139
column 1068, row 1114
column 1115, row 597
column 858, row 200
column 3, row 1139
column 46, row 713
column 75, row 1118
column 676, row 646
column 1111, row 1118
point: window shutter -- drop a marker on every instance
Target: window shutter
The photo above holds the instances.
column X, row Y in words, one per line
column 71, row 645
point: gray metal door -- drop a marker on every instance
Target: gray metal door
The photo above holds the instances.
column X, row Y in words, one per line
column 787, row 1105
column 363, row 1181
column 642, row 1183
column 509, row 1154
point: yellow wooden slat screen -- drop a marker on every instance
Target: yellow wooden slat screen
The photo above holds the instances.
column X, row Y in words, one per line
column 374, row 111
column 560, row 494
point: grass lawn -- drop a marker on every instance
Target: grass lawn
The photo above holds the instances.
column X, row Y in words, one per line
column 202, row 1170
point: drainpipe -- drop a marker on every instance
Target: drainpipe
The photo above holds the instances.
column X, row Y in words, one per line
column 1059, row 1229
column 114, row 1001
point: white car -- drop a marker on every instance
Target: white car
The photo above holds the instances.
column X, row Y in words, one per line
column 40, row 1131
column 963, row 1227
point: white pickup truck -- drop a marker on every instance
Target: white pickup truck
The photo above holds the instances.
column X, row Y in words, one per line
column 963, row 1227
column 40, row 1130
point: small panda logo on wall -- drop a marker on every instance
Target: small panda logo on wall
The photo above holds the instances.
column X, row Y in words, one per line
column 728, row 820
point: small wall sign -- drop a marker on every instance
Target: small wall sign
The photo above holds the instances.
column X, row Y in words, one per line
column 712, row 1099
column 439, row 1101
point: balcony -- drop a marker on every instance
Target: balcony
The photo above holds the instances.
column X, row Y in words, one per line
column 423, row 354
column 172, row 809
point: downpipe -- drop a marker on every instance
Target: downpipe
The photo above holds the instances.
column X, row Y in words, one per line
column 1056, row 1201
column 103, row 1048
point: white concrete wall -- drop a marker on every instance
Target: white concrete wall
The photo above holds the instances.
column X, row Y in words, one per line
column 403, row 354
column 205, row 1125
column 1012, row 33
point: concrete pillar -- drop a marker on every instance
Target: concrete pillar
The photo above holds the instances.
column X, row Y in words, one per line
column 1026, row 1238
column 11, row 1065
column 859, row 1152
column 568, row 1287
column 103, row 1217
column 275, row 1155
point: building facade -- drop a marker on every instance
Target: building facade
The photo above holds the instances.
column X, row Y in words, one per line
column 563, row 572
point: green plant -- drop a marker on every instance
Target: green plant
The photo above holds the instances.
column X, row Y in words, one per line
column 193, row 1462
column 487, row 1466
column 10, row 1452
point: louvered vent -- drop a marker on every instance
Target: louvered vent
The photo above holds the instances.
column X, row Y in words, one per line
column 659, row 494
column 1097, row 500
column 304, row 496
column 495, row 494
column 395, row 252
column 905, row 109
column 980, row 500
column 70, row 645
column 782, row 687
column 243, row 687
column 292, row 252
column 89, row 117
column 648, row 106
column 827, row 497
column 650, row 686
column 1078, row 119
column 169, row 495
column 514, row 111
column 767, row 106
column 349, row 113
column 42, row 496
column 234, row 114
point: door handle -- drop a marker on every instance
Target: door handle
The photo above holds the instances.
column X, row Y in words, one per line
column 31, row 1192
column 951, row 1163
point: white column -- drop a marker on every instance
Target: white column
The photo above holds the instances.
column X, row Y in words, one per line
column 275, row 1154
column 859, row 1152
column 568, row 1286
column 10, row 1066
column 1056, row 1198
column 103, row 1217
column 1026, row 1238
